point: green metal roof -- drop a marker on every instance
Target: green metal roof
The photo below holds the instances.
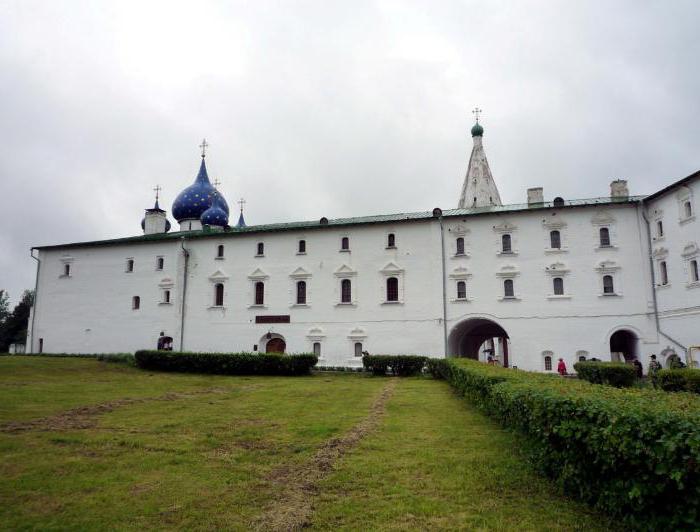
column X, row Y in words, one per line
column 340, row 222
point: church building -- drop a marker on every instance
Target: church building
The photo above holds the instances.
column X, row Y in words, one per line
column 612, row 277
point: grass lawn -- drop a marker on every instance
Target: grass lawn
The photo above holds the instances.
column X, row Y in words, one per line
column 92, row 445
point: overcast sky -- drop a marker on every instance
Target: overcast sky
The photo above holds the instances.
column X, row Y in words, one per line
column 330, row 108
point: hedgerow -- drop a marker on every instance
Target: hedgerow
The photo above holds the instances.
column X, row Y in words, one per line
column 400, row 365
column 124, row 358
column 227, row 363
column 633, row 453
column 679, row 380
column 612, row 373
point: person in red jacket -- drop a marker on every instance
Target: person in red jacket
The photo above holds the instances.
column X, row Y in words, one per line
column 561, row 367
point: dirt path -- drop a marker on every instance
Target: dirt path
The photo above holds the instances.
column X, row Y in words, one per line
column 297, row 486
column 85, row 417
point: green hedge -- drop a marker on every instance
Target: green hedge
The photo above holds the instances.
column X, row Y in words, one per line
column 613, row 373
column 400, row 365
column 227, row 363
column 679, row 380
column 124, row 358
column 633, row 453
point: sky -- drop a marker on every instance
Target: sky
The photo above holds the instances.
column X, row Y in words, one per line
column 330, row 108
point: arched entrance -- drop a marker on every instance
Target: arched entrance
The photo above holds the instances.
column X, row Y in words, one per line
column 623, row 346
column 479, row 339
column 275, row 344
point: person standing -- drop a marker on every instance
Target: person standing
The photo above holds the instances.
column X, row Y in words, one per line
column 561, row 367
column 654, row 367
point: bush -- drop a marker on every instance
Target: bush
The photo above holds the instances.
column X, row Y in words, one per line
column 227, row 363
column 124, row 358
column 633, row 453
column 399, row 365
column 679, row 380
column 613, row 373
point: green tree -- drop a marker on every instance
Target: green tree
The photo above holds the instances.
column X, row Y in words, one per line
column 4, row 306
column 14, row 328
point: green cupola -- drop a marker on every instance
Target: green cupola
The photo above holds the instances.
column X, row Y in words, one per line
column 477, row 130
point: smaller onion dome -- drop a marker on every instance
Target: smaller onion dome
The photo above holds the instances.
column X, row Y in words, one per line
column 477, row 130
column 216, row 214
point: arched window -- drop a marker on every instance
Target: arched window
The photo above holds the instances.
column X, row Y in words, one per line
column 508, row 288
column 392, row 289
column 687, row 209
column 261, row 248
column 166, row 296
column 604, row 237
column 345, row 291
column 130, row 265
column 358, row 349
column 220, row 251
column 548, row 363
column 663, row 272
column 66, row 270
column 555, row 239
column 558, row 283
column 506, row 244
column 302, row 246
column 160, row 262
column 391, row 240
column 301, row 293
column 135, row 302
column 317, row 349
column 345, row 244
column 460, row 246
column 259, row 293
column 461, row 290
column 218, row 295
column 694, row 276
column 608, row 287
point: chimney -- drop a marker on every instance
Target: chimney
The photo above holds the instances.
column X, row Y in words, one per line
column 618, row 189
column 535, row 196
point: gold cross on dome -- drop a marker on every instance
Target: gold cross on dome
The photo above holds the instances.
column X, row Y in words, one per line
column 476, row 112
column 204, row 147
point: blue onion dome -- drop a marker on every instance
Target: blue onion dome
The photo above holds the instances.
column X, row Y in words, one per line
column 477, row 130
column 197, row 198
column 215, row 215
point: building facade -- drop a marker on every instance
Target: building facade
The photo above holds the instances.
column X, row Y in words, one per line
column 525, row 284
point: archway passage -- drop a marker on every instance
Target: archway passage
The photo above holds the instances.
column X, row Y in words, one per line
column 479, row 339
column 623, row 346
column 275, row 345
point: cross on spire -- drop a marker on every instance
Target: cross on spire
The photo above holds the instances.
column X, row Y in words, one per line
column 241, row 202
column 476, row 112
column 157, row 190
column 204, row 147
column 216, row 182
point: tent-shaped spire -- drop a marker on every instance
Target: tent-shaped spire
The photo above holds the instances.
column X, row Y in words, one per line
column 241, row 221
column 479, row 189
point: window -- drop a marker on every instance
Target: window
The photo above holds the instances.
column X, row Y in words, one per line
column 166, row 296
column 582, row 358
column 345, row 244
column 558, row 283
column 220, row 251
column 302, row 246
column 160, row 262
column 261, row 248
column 461, row 290
column 66, row 270
column 604, row 237
column 135, row 302
column 219, row 295
column 460, row 246
column 663, row 272
column 508, row 288
column 317, row 349
column 130, row 265
column 358, row 349
column 392, row 289
column 259, row 293
column 548, row 363
column 687, row 209
column 555, row 239
column 608, row 287
column 41, row 345
column 506, row 244
column 345, row 291
column 694, row 277
column 659, row 229
column 391, row 240
column 301, row 293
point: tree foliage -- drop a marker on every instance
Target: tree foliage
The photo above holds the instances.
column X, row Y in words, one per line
column 13, row 329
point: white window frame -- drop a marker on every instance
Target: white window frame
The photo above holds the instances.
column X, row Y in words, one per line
column 557, row 269
column 691, row 252
column 341, row 274
column 392, row 270
column 217, row 278
column 609, row 268
column 685, row 195
column 508, row 272
column 458, row 275
column 300, row 274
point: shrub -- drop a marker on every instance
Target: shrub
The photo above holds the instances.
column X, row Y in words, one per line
column 633, row 453
column 227, row 363
column 613, row 373
column 679, row 380
column 124, row 358
column 399, row 365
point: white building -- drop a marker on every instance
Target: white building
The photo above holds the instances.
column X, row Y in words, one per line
column 614, row 277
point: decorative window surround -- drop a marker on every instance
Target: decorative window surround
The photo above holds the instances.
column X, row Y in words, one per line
column 506, row 228
column 460, row 274
column 508, row 272
column 609, row 267
column 690, row 253
column 684, row 195
column 392, row 270
column 300, row 274
column 166, row 284
column 66, row 260
column 554, row 270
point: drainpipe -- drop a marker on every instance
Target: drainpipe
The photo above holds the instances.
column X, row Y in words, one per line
column 437, row 212
column 36, row 293
column 653, row 286
column 186, row 254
